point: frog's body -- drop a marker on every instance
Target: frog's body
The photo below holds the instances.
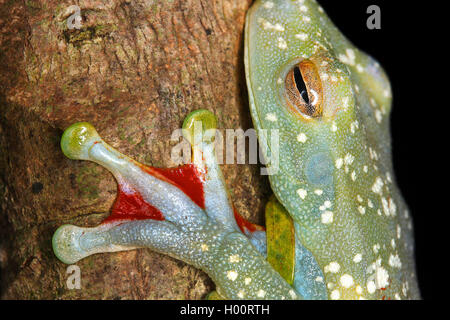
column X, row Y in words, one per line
column 352, row 232
column 336, row 177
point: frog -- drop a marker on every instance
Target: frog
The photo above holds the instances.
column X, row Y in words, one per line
column 337, row 226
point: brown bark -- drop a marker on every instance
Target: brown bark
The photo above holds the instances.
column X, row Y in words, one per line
column 135, row 69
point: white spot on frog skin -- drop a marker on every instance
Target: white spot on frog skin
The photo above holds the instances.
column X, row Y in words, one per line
column 359, row 290
column 261, row 293
column 247, row 281
column 399, row 231
column 204, row 247
column 353, row 126
column 346, row 281
column 276, row 27
column 359, row 68
column 241, row 294
column 334, row 127
column 405, row 288
column 385, row 205
column 232, row 275
column 327, row 217
column 348, row 58
column 369, row 203
column 302, row 193
column 349, row 159
column 339, row 163
column 327, row 204
column 282, row 43
column 303, row 9
column 373, row 102
column 268, row 5
column 393, row 245
column 397, row 297
column 381, row 277
column 392, row 207
column 357, row 258
column 235, row 258
column 353, row 176
column 371, row 287
column 318, row 192
column 362, row 210
column 302, row 138
column 376, row 248
column 306, row 19
column 335, row 295
column 389, row 177
column 319, row 279
column 345, row 103
column 378, row 185
column 292, row 294
column 373, row 154
column 302, row 36
column 271, row 117
column 366, row 169
column 333, row 267
column 378, row 116
column 359, row 198
column 394, row 261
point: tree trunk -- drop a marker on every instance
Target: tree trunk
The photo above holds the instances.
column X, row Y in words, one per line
column 134, row 70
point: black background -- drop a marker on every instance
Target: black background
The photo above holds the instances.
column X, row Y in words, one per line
column 405, row 50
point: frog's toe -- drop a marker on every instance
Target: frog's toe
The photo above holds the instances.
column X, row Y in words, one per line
column 72, row 243
column 77, row 140
column 66, row 244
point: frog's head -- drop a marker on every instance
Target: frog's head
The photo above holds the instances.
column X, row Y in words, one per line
column 328, row 100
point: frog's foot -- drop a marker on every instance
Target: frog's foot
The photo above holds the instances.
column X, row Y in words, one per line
column 183, row 212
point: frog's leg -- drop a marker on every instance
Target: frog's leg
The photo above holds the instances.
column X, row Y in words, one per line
column 183, row 212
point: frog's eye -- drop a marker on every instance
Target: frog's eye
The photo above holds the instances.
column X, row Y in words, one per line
column 304, row 90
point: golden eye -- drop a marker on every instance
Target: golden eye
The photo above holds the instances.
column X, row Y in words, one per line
column 304, row 90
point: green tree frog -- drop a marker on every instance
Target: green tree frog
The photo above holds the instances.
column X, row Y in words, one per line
column 336, row 227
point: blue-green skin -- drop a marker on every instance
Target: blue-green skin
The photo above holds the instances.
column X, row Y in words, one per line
column 329, row 169
column 343, row 157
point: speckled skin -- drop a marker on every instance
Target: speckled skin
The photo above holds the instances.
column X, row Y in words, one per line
column 353, row 232
column 207, row 238
column 336, row 178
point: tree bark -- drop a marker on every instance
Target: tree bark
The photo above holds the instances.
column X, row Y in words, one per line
column 134, row 70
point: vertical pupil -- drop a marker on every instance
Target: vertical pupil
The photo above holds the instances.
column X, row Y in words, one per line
column 300, row 84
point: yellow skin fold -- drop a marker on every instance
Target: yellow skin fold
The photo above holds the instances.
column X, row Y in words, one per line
column 337, row 226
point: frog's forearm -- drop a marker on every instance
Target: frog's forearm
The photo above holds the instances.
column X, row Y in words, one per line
column 203, row 234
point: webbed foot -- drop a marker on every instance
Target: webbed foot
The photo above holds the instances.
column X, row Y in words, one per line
column 184, row 212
